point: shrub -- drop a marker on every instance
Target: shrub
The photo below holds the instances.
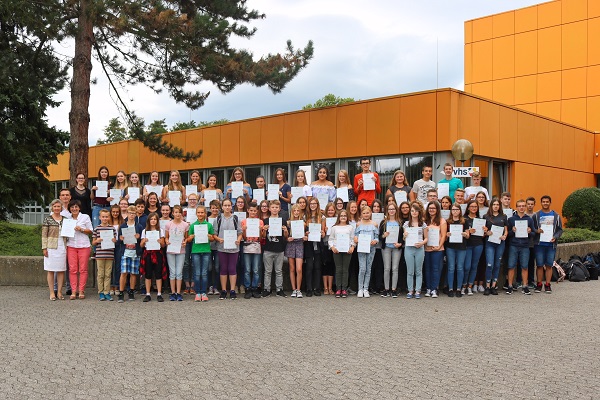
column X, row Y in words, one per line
column 571, row 235
column 582, row 208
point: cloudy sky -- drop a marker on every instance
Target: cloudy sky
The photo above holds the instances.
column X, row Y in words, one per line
column 362, row 50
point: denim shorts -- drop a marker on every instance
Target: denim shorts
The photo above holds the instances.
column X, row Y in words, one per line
column 544, row 255
column 130, row 265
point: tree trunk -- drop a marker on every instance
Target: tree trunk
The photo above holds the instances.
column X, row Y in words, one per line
column 79, row 117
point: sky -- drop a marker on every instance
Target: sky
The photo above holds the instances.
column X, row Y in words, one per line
column 388, row 48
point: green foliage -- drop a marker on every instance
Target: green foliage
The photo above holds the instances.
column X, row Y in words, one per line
column 115, row 132
column 328, row 100
column 582, row 209
column 180, row 126
column 571, row 235
column 20, row 240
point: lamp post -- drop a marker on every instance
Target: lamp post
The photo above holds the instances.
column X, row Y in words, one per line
column 462, row 150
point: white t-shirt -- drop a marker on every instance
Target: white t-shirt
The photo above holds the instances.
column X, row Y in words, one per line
column 473, row 190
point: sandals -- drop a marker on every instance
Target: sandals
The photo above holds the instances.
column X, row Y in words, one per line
column 60, row 297
column 81, row 296
column 73, row 296
column 53, row 298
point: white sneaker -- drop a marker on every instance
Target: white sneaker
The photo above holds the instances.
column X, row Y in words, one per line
column 366, row 293
column 462, row 291
column 293, row 293
column 428, row 293
column 434, row 294
column 360, row 293
column 469, row 292
column 298, row 294
column 480, row 289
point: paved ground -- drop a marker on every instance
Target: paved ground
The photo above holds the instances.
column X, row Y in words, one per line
column 306, row 348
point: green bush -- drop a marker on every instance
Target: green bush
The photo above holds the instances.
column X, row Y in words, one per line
column 20, row 240
column 582, row 209
column 571, row 235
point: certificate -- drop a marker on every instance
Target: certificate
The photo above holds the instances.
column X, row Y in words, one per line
column 129, row 235
column 368, row 182
column 364, row 243
column 191, row 189
column 377, row 218
column 153, row 238
column 497, row 231
column 297, row 192
column 433, row 237
column 209, row 195
column 155, row 189
column 400, row 196
column 521, row 229
column 134, row 194
column 508, row 212
column 329, row 222
column 252, row 227
column 201, row 233
column 323, row 200
column 275, row 227
column 68, row 227
column 237, row 189
column 175, row 242
column 547, row 225
column 297, row 228
column 174, row 198
column 478, row 224
column 258, row 194
column 314, row 232
column 230, row 237
column 456, row 231
column 445, row 214
column 102, row 190
column 342, row 193
column 273, row 192
column 342, row 242
column 412, row 236
column 241, row 215
column 483, row 211
column 107, row 236
column 443, row 189
column 393, row 234
column 116, row 196
column 190, row 215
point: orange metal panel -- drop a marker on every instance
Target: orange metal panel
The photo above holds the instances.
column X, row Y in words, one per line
column 383, row 126
column 529, row 107
column 589, row 152
column 548, row 86
column 295, row 136
column 574, row 83
column 555, row 144
column 525, row 89
column 271, row 144
column 468, row 31
column 593, row 81
column 525, row 139
column 574, row 111
column 593, row 8
column 146, row 162
column 468, row 120
column 571, row 181
column 178, row 140
column 468, row 88
column 194, row 142
column 540, row 149
column 503, row 24
column 550, row 109
column 574, row 45
column 504, row 91
column 161, row 163
column 574, row 10
column 593, row 41
column 482, row 61
column 549, row 51
column 482, row 28
column 111, row 160
column 579, row 141
column 468, row 63
column 322, row 134
column 593, row 116
column 250, row 139
column 526, row 19
column 489, row 129
column 504, row 57
column 417, row 119
column 483, row 89
column 92, row 162
column 526, row 59
column 568, row 148
column 549, row 14
column 133, row 156
column 446, row 120
column 211, row 140
column 351, row 130
column 597, row 153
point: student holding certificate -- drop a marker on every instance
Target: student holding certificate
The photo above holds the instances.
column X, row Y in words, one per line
column 231, row 192
column 300, row 182
column 284, row 194
column 453, row 183
column 152, row 241
column 398, row 184
column 343, row 182
column 390, row 232
column 483, row 204
column 294, row 250
column 313, row 250
column 228, row 235
column 79, row 248
column 366, row 237
column 549, row 230
column 99, row 196
column 176, row 233
column 456, row 249
column 196, row 182
column 520, row 229
column 252, row 256
column 173, row 186
column 434, row 251
column 415, row 238
column 328, row 262
column 82, row 193
column 323, row 188
column 474, row 248
column 200, row 234
column 366, row 184
column 496, row 222
column 342, row 248
column 211, row 192
column 134, row 189
column 153, row 185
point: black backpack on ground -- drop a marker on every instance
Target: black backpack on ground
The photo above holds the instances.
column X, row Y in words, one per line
column 577, row 271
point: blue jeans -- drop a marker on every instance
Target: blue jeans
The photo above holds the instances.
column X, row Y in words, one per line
column 187, row 272
column 433, row 269
column 518, row 253
column 251, row 263
column 493, row 256
column 414, row 267
column 471, row 262
column 200, row 262
column 214, row 267
column 544, row 255
column 364, row 269
column 456, row 262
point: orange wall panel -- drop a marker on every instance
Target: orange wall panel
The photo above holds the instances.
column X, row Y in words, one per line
column 593, row 40
column 212, row 147
column 295, row 136
column 574, row 83
column 596, row 151
column 568, row 148
column 593, row 81
column 110, row 157
column 589, row 151
column 574, row 45
column 548, row 86
column 383, row 126
column 549, row 50
column 133, row 155
column 526, row 19
column 574, row 10
column 162, row 163
column 574, row 111
column 193, row 142
column 554, row 143
column 539, row 151
column 446, row 120
column 92, row 165
column 525, row 89
column 550, row 109
column 351, row 130
column 468, row 120
column 503, row 24
column 468, row 31
column 503, row 57
column 250, row 140
column 468, row 63
column 467, row 88
column 271, row 145
column 525, row 137
column 178, row 140
column 482, row 29
column 321, row 136
column 526, row 53
column 504, row 91
column 489, row 129
column 593, row 8
column 549, row 14
column 579, row 141
column 483, row 89
column 417, row 119
column 593, row 114
column 482, row 61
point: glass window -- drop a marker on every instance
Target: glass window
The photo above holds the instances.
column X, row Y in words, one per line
column 306, row 167
column 386, row 168
column 272, row 168
column 330, row 165
column 499, row 179
column 414, row 167
column 353, row 168
column 250, row 174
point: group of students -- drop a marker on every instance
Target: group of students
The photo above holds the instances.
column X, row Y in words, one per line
column 201, row 238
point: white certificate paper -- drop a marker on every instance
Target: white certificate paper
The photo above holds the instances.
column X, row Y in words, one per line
column 497, row 231
column 412, row 236
column 175, row 242
column 314, row 232
column 209, row 195
column 297, row 192
column 456, row 231
column 153, row 238
column 116, row 195
column 273, row 191
column 241, row 216
column 297, row 228
column 329, row 222
column 547, row 225
column 275, row 227
column 190, row 215
column 433, row 237
column 445, row 214
column 443, row 189
column 237, row 189
column 189, row 189
column 521, row 229
column 342, row 242
column 393, row 234
column 68, row 227
column 508, row 212
column 478, row 224
column 107, row 237
column 377, row 218
column 323, row 200
column 252, row 227
column 259, row 195
column 174, row 197
column 483, row 211
column 364, row 243
column 200, row 233
column 368, row 182
column 102, row 190
column 342, row 193
column 400, row 196
column 129, row 235
column 229, row 237
column 134, row 194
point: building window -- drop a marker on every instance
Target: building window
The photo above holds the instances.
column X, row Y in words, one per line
column 413, row 167
column 330, row 165
column 250, row 174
